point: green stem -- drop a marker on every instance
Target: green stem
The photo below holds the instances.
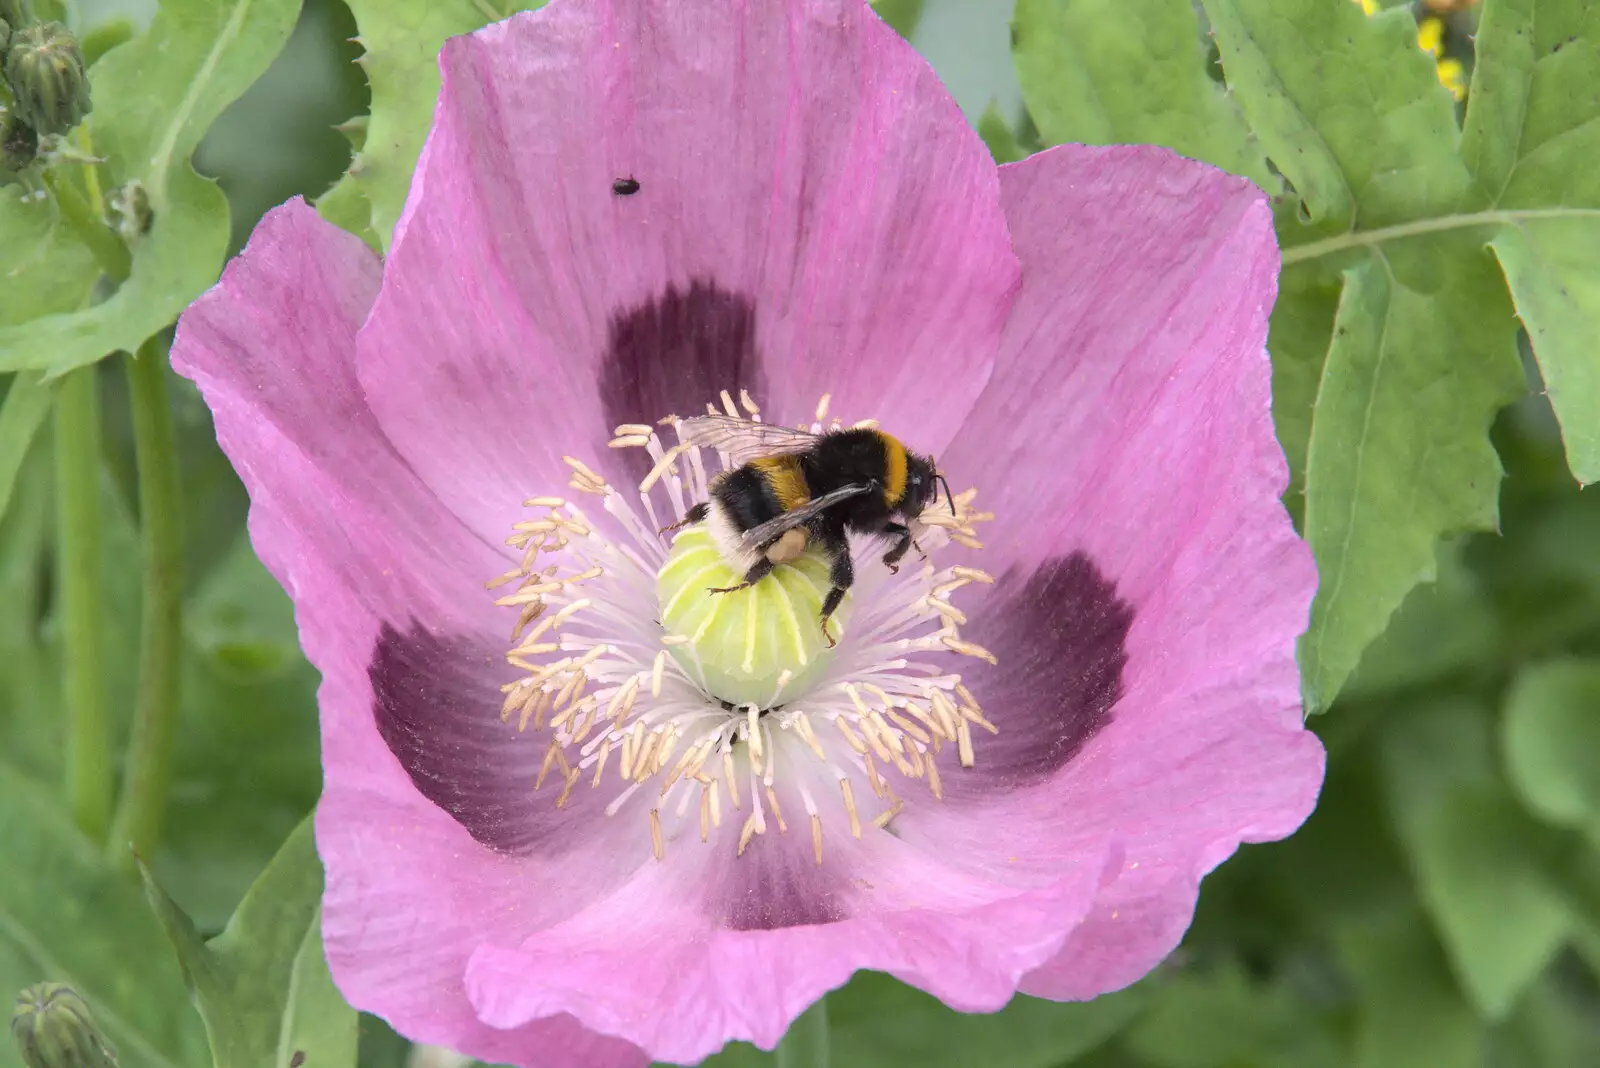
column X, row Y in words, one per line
column 1312, row 250
column 155, row 717
column 80, row 578
column 806, row 1044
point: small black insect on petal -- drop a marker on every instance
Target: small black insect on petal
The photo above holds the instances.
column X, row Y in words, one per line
column 625, row 187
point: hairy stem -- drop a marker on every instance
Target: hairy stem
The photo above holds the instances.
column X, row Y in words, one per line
column 145, row 782
column 81, row 581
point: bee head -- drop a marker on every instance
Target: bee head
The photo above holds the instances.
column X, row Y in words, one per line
column 922, row 484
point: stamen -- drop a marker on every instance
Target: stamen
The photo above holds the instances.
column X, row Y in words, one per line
column 604, row 678
column 850, row 807
column 883, row 818
column 777, row 811
column 747, row 832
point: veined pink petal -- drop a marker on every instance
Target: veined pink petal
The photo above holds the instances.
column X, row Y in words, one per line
column 655, row 965
column 1152, row 586
column 363, row 548
column 271, row 347
column 813, row 215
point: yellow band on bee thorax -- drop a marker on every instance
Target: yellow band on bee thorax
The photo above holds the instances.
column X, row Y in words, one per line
column 894, row 470
column 786, row 479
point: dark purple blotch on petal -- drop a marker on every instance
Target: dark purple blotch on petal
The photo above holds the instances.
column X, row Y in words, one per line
column 767, row 890
column 1061, row 634
column 674, row 354
column 436, row 701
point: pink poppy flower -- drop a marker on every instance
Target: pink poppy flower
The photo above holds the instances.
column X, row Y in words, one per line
column 572, row 853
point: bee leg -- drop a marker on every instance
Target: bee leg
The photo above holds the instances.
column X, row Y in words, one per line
column 902, row 535
column 693, row 515
column 842, row 574
column 760, row 570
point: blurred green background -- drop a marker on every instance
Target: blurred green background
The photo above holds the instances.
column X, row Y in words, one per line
column 1441, row 908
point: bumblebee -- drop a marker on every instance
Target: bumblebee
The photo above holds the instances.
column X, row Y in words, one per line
column 791, row 488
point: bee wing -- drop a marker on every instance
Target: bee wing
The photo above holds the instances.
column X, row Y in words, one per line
column 760, row 535
column 741, row 439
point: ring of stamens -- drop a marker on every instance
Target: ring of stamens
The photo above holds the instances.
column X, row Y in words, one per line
column 598, row 677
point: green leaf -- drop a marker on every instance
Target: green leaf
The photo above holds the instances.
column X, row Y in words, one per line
column 1551, row 1027
column 347, row 207
column 402, row 39
column 1532, row 136
column 1410, row 1011
column 1444, row 627
column 246, row 769
column 1118, row 71
column 1544, row 574
column 1388, row 402
column 903, row 15
column 1480, row 862
column 245, row 766
column 1399, row 451
column 43, row 268
column 153, row 100
column 1302, row 323
column 1222, row 1019
column 27, row 402
column 1551, row 735
column 878, row 1022
column 263, row 986
column 1347, row 107
column 998, row 136
column 66, row 916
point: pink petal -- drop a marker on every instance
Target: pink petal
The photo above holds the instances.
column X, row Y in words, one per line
column 653, row 965
column 271, row 347
column 1152, row 586
column 364, row 549
column 813, row 215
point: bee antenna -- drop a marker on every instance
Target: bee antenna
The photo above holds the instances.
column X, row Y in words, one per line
column 948, row 499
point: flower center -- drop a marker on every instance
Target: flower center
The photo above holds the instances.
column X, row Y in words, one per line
column 629, row 671
column 759, row 645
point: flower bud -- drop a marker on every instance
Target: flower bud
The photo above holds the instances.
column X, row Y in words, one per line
column 753, row 645
column 53, row 1028
column 12, row 16
column 45, row 69
column 19, row 144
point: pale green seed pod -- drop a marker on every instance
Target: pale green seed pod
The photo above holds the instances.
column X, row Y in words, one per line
column 53, row 1028
column 753, row 646
column 44, row 67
